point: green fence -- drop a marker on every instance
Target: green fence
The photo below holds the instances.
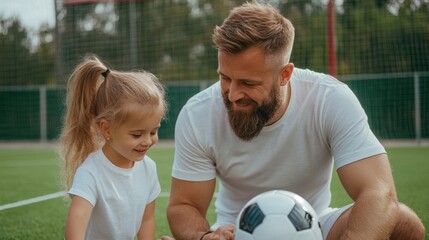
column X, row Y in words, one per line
column 397, row 107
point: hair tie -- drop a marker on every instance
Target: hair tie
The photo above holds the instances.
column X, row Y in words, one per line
column 105, row 73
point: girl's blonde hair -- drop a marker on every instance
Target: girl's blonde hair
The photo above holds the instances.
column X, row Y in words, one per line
column 95, row 92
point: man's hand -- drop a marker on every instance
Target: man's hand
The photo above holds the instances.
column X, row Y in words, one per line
column 222, row 233
column 167, row 238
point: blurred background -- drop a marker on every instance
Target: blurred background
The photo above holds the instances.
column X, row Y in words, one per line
column 380, row 48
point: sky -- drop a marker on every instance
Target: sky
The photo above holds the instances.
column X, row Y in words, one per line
column 32, row 13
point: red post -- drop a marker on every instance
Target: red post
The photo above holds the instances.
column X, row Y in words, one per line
column 332, row 59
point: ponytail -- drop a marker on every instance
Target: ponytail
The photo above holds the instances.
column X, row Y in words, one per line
column 79, row 137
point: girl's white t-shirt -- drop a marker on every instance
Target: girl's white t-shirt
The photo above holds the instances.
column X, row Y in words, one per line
column 119, row 196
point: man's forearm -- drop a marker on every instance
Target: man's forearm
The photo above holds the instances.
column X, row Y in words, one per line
column 373, row 216
column 186, row 222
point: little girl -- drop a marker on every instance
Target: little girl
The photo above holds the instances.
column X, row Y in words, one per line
column 111, row 121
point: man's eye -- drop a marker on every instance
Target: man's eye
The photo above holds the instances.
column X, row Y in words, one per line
column 249, row 84
column 224, row 78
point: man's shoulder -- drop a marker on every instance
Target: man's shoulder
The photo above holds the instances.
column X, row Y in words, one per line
column 307, row 76
column 208, row 97
column 204, row 110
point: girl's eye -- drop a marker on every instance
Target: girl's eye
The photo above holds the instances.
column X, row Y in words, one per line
column 136, row 135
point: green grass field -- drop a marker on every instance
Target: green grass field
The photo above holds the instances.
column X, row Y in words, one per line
column 27, row 173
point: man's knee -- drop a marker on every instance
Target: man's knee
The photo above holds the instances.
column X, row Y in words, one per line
column 408, row 225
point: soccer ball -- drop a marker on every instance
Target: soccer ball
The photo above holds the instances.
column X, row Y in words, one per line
column 278, row 215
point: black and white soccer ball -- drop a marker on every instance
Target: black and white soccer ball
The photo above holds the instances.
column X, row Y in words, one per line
column 280, row 215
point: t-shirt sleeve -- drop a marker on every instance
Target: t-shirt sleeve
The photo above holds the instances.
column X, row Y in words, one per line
column 84, row 186
column 154, row 181
column 192, row 162
column 348, row 131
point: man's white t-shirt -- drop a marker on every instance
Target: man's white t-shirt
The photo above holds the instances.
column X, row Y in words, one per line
column 324, row 125
column 119, row 195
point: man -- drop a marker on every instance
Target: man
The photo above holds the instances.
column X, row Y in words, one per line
column 268, row 125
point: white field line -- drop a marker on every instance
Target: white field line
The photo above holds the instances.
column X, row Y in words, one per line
column 52, row 196
column 32, row 200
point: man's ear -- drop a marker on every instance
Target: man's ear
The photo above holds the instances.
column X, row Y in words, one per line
column 104, row 126
column 286, row 73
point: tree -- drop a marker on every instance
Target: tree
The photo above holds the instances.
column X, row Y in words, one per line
column 372, row 39
column 16, row 56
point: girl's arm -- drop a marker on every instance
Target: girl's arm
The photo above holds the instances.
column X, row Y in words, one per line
column 78, row 218
column 147, row 228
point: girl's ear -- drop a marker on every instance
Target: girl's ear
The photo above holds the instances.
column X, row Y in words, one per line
column 104, row 126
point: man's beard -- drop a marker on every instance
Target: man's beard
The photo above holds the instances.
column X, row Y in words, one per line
column 248, row 125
